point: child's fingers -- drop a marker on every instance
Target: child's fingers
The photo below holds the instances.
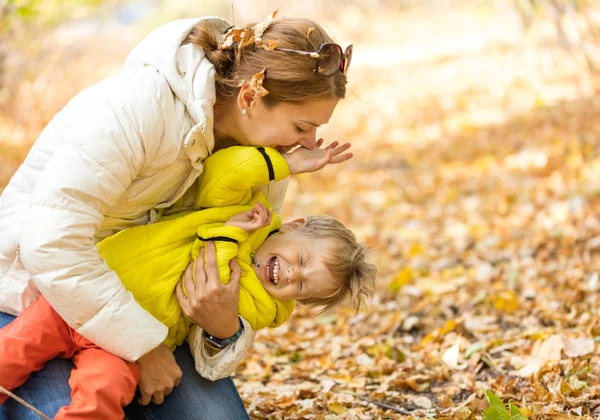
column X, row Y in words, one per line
column 341, row 158
column 263, row 210
column 341, row 149
column 333, row 145
column 325, row 159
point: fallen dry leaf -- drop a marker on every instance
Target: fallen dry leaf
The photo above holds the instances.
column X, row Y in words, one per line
column 580, row 346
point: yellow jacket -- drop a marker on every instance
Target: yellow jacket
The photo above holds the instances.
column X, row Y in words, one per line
column 150, row 259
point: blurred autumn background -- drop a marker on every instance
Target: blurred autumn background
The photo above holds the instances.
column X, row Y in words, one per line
column 476, row 181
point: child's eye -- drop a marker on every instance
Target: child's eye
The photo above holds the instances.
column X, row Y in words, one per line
column 301, row 266
column 299, row 130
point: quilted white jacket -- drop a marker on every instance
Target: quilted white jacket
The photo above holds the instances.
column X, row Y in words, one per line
column 116, row 156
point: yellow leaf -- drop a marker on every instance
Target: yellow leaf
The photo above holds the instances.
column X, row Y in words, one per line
column 450, row 196
column 337, row 408
column 449, row 326
column 404, row 277
column 506, row 301
column 415, row 250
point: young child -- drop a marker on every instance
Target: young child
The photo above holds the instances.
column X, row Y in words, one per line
column 316, row 261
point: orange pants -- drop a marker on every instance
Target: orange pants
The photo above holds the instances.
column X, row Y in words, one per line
column 101, row 383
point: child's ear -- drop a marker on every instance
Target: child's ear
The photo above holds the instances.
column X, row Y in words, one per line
column 293, row 225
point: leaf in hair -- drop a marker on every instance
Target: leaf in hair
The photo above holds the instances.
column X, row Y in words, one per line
column 247, row 40
column 257, row 81
column 241, row 35
column 309, row 31
column 269, row 45
column 261, row 27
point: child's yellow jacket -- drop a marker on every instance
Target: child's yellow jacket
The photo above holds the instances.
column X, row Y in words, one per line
column 150, row 259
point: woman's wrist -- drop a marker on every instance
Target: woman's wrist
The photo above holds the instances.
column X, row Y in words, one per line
column 218, row 343
column 224, row 330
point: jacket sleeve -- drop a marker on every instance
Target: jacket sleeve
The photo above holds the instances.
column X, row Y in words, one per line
column 105, row 136
column 230, row 174
column 222, row 364
column 275, row 193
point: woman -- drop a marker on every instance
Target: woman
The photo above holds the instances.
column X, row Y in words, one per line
column 127, row 151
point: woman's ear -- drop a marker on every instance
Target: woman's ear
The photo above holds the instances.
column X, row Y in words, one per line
column 247, row 97
column 293, row 225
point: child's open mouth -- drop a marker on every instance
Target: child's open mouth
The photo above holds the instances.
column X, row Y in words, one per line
column 272, row 271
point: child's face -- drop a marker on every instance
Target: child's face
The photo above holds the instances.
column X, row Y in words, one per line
column 292, row 266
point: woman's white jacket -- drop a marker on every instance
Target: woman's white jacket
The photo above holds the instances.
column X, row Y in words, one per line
column 118, row 155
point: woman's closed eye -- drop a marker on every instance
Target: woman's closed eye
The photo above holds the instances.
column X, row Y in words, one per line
column 300, row 130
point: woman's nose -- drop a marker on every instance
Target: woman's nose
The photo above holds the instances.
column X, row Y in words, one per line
column 309, row 142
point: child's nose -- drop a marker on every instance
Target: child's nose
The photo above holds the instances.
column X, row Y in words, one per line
column 293, row 274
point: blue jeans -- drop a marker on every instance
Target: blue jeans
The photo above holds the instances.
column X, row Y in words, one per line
column 195, row 398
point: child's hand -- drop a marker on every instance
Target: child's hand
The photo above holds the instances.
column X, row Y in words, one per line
column 251, row 220
column 303, row 160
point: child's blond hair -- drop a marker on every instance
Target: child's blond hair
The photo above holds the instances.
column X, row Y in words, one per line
column 346, row 260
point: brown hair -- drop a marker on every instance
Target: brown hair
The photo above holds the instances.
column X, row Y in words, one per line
column 289, row 77
column 346, row 260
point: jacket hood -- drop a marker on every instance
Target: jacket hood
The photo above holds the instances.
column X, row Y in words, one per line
column 190, row 75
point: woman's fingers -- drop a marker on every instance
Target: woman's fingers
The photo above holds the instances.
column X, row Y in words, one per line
column 235, row 274
column 144, row 398
column 182, row 298
column 199, row 273
column 188, row 277
column 158, row 398
column 212, row 269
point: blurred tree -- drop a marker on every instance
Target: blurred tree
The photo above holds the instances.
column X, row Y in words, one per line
column 576, row 32
column 26, row 25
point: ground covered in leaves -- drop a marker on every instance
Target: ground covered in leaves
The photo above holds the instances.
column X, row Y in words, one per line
column 476, row 181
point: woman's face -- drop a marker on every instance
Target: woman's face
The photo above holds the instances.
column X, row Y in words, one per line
column 285, row 124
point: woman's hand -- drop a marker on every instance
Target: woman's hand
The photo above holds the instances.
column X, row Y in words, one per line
column 251, row 220
column 159, row 374
column 303, row 160
column 213, row 306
